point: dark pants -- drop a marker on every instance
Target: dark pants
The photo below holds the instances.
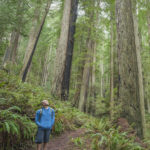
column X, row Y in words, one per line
column 42, row 136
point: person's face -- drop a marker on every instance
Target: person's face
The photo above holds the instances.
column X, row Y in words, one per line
column 43, row 104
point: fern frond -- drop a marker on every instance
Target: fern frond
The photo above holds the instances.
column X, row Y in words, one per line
column 14, row 128
column 3, row 101
column 14, row 108
column 6, row 127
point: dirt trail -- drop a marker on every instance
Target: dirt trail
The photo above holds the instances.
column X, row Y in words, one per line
column 63, row 142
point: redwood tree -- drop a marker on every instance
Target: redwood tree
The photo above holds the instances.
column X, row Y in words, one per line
column 128, row 68
column 69, row 53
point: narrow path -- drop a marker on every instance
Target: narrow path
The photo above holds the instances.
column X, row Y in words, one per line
column 63, row 142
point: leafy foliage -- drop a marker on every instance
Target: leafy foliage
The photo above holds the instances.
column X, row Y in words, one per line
column 18, row 103
column 16, row 126
column 106, row 137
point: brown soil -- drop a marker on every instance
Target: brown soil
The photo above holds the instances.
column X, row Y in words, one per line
column 65, row 141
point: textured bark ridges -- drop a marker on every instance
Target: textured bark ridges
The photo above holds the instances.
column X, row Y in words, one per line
column 148, row 74
column 140, row 75
column 61, row 50
column 46, row 66
column 112, row 71
column 85, row 77
column 79, row 74
column 128, row 68
column 148, row 20
column 69, row 53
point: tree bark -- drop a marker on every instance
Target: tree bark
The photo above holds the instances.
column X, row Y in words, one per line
column 36, row 36
column 12, row 47
column 102, row 80
column 128, row 66
column 79, row 73
column 78, row 87
column 112, row 71
column 61, row 51
column 33, row 34
column 69, row 54
column 148, row 21
column 147, row 82
column 45, row 72
column 86, row 76
column 148, row 106
column 93, row 76
column 93, row 82
column 140, row 76
column 88, row 58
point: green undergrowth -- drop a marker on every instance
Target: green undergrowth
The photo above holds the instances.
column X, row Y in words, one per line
column 105, row 136
column 18, row 104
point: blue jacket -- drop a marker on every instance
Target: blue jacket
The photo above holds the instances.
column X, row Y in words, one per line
column 46, row 119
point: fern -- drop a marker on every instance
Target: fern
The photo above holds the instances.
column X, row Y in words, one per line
column 14, row 108
column 15, row 128
column 15, row 125
column 6, row 127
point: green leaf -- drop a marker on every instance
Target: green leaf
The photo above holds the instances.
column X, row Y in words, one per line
column 7, row 127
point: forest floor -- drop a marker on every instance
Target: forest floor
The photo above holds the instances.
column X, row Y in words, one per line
column 70, row 140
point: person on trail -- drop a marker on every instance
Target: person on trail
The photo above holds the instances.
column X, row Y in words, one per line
column 44, row 119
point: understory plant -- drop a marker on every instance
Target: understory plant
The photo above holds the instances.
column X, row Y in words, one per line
column 107, row 137
column 15, row 129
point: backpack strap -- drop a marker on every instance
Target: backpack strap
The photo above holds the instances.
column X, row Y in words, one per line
column 40, row 114
column 52, row 113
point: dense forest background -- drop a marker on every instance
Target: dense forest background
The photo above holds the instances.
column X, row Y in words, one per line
column 93, row 55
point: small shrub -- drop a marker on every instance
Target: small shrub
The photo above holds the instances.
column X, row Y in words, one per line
column 15, row 128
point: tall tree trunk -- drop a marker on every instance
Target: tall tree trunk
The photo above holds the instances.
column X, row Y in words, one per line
column 94, row 46
column 61, row 52
column 28, row 59
column 12, row 49
column 93, row 81
column 79, row 74
column 32, row 38
column 90, row 104
column 128, row 67
column 86, row 76
column 88, row 59
column 33, row 33
column 69, row 54
column 102, row 80
column 140, row 76
column 148, row 106
column 112, row 71
column 89, row 101
column 78, row 87
column 148, row 79
column 14, row 52
column 148, row 21
column 45, row 72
